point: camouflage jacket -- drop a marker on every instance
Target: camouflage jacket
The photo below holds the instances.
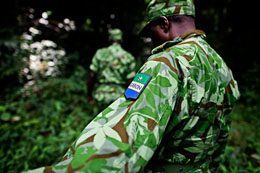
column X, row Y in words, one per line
column 182, row 115
column 114, row 67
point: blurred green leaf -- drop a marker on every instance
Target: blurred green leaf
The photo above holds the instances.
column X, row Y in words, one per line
column 5, row 116
column 2, row 108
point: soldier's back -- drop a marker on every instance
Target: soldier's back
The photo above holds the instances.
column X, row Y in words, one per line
column 198, row 128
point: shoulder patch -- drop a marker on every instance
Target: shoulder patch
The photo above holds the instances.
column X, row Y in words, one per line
column 137, row 86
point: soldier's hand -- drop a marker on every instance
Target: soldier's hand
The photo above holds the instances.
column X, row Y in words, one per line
column 90, row 100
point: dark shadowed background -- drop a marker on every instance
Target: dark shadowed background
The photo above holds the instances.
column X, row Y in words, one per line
column 46, row 47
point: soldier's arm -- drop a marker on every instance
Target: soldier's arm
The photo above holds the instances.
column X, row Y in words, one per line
column 124, row 137
column 231, row 96
column 149, row 115
column 131, row 67
column 90, row 84
column 92, row 75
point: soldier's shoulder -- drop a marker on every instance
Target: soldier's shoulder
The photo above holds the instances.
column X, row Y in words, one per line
column 101, row 51
column 189, row 45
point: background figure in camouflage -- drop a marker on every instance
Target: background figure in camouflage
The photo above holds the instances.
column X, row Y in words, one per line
column 111, row 70
column 175, row 115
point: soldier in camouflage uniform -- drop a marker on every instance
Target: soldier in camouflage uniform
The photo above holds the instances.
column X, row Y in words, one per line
column 111, row 69
column 175, row 115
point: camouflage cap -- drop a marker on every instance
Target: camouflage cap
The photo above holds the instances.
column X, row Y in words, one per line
column 158, row 8
column 115, row 34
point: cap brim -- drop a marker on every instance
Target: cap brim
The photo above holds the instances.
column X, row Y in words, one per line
column 144, row 32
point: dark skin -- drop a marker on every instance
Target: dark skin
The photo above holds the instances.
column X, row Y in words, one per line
column 90, row 83
column 167, row 30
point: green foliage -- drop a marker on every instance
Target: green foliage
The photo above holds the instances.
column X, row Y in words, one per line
column 251, row 85
column 11, row 61
column 40, row 122
column 243, row 150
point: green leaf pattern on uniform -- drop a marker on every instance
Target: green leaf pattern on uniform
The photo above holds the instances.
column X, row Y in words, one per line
column 114, row 67
column 181, row 117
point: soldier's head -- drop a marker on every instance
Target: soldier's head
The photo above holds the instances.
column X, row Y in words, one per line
column 167, row 19
column 115, row 35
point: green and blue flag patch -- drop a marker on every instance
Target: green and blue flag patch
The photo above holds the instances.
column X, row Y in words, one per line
column 137, row 86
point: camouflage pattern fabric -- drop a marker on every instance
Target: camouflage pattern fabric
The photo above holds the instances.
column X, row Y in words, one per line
column 181, row 117
column 115, row 34
column 114, row 67
column 158, row 8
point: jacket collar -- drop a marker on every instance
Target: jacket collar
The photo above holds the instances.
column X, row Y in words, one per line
column 178, row 39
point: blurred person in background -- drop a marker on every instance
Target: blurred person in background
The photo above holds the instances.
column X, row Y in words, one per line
column 112, row 69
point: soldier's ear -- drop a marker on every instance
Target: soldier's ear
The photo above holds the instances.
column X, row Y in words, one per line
column 164, row 24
